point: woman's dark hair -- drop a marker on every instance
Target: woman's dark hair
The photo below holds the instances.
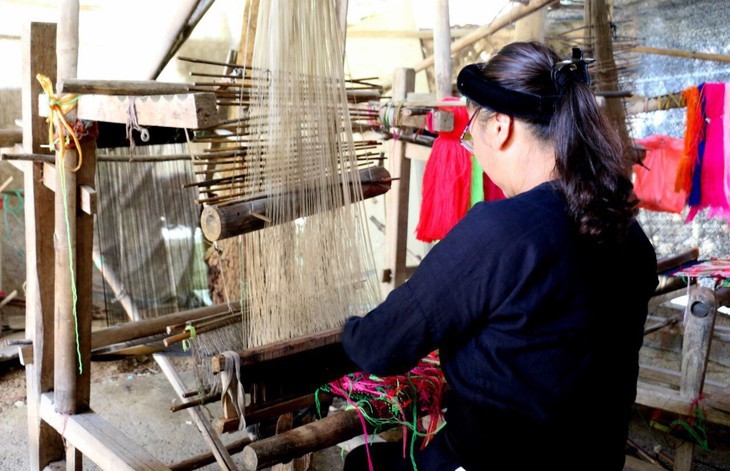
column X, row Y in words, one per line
column 590, row 156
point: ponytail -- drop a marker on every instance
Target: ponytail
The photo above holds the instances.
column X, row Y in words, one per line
column 589, row 162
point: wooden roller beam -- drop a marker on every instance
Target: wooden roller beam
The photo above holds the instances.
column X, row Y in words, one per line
column 222, row 222
column 302, row 440
column 189, row 111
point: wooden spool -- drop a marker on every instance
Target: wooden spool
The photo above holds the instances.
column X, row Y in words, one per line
column 222, row 222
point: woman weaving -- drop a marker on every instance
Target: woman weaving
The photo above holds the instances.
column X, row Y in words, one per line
column 537, row 302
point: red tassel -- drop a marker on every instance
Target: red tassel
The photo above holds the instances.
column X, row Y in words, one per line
column 446, row 182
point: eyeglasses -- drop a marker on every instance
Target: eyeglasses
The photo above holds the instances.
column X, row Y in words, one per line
column 466, row 139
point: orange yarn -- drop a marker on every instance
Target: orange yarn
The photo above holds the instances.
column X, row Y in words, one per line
column 692, row 137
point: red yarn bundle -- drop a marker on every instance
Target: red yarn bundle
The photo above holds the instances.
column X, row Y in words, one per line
column 446, row 181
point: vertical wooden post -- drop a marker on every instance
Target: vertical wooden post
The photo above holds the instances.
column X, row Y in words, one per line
column 605, row 77
column 699, row 321
column 532, row 27
column 442, row 49
column 396, row 200
column 39, row 56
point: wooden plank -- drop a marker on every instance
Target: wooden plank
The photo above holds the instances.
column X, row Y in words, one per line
column 189, row 111
column 396, row 201
column 39, row 56
column 121, row 87
column 99, row 440
column 666, row 399
column 676, row 261
column 10, row 137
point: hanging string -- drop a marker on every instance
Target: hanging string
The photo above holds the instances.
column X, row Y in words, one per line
column 133, row 125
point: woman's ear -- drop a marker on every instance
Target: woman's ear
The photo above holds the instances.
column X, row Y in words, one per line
column 503, row 128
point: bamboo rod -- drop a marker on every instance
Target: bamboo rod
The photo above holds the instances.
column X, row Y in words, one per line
column 121, row 87
column 681, row 53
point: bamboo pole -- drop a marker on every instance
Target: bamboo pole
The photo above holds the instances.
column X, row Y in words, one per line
column 66, row 366
column 483, row 31
column 121, row 87
column 680, row 53
column 442, row 49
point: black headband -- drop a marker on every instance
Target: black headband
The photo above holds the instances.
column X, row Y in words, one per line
column 489, row 94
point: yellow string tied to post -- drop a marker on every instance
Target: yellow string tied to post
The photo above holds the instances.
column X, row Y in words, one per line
column 57, row 109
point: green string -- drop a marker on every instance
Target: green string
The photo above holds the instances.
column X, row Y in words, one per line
column 477, row 182
column 62, row 171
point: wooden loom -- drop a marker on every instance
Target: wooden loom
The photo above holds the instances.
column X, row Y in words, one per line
column 85, row 432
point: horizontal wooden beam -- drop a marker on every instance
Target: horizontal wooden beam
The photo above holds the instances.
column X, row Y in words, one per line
column 10, row 137
column 99, row 440
column 680, row 53
column 399, row 34
column 189, row 111
column 282, row 349
column 121, row 87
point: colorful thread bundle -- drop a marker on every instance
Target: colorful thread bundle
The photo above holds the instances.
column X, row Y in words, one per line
column 453, row 181
column 411, row 401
